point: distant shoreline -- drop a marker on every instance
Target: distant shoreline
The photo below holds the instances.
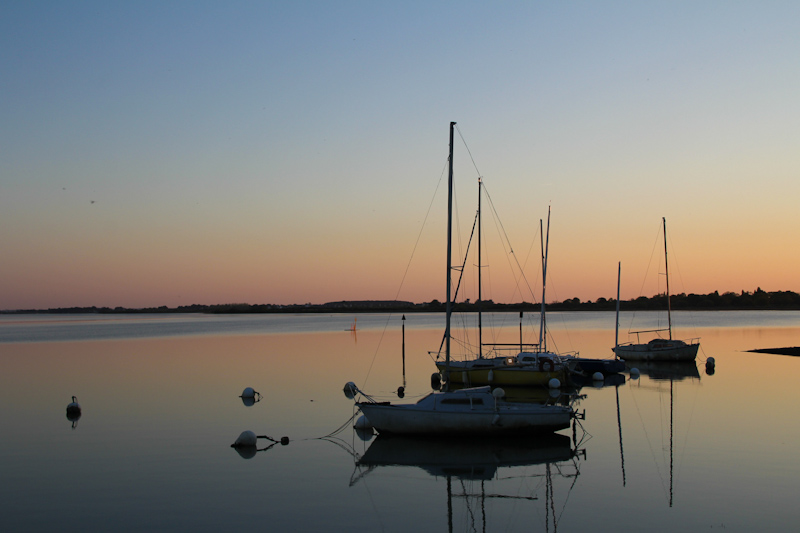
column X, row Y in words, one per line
column 729, row 301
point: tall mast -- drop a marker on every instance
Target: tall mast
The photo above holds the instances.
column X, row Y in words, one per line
column 448, row 306
column 480, row 297
column 666, row 270
column 616, row 330
column 546, row 247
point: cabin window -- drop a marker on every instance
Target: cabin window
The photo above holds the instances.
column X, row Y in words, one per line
column 463, row 401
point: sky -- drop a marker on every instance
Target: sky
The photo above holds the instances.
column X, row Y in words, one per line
column 177, row 153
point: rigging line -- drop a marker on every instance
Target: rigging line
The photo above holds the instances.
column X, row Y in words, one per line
column 646, row 272
column 506, row 245
column 676, row 266
column 461, row 275
column 502, row 229
column 569, row 493
column 468, row 150
column 647, row 438
column 469, row 507
column 340, row 428
column 688, row 426
column 562, row 320
column 408, row 266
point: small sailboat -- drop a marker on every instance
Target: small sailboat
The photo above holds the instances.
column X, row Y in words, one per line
column 479, row 410
column 659, row 349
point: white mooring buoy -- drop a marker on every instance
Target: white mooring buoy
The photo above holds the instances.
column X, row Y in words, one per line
column 598, row 376
column 246, row 438
column 250, row 397
column 362, row 423
column 554, row 383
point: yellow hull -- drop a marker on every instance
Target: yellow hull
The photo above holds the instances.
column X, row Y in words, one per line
column 522, row 376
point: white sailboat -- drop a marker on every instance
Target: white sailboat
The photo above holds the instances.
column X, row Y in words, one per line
column 659, row 349
column 467, row 411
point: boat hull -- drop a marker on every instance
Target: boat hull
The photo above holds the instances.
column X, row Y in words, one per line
column 521, row 376
column 658, row 351
column 456, row 413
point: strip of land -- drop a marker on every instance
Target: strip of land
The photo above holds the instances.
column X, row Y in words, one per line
column 793, row 351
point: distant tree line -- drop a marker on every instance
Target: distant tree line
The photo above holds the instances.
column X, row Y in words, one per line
column 757, row 299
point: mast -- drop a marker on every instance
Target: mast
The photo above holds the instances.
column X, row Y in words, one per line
column 480, row 297
column 448, row 306
column 666, row 270
column 616, row 330
column 545, row 251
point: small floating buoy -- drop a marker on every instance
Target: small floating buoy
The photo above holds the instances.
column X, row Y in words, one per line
column 350, row 390
column 436, row 381
column 284, row 441
column 74, row 408
column 246, row 438
column 710, row 365
column 401, row 392
column 554, row 383
column 598, row 376
column 634, row 373
column 74, row 412
column 250, row 397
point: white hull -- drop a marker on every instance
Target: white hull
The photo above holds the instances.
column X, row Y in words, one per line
column 658, row 350
column 468, row 411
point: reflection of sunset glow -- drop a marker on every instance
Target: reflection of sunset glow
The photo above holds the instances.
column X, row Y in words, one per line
column 165, row 411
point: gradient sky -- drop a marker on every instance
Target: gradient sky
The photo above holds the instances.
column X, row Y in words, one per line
column 171, row 153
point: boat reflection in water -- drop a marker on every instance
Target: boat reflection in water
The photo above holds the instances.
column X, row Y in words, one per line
column 662, row 372
column 665, row 370
column 480, row 460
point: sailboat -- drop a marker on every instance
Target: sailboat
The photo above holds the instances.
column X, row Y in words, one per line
column 533, row 365
column 478, row 410
column 659, row 349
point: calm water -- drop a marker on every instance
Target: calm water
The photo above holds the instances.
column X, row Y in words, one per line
column 161, row 408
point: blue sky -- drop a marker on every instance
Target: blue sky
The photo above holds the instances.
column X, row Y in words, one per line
column 234, row 150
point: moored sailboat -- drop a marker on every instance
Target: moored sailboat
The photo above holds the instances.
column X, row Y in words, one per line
column 659, row 349
column 468, row 411
column 532, row 365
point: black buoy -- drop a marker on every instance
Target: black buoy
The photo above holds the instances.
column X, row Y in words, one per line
column 401, row 392
column 74, row 409
column 436, row 381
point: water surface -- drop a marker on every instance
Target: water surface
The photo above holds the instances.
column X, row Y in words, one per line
column 670, row 451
